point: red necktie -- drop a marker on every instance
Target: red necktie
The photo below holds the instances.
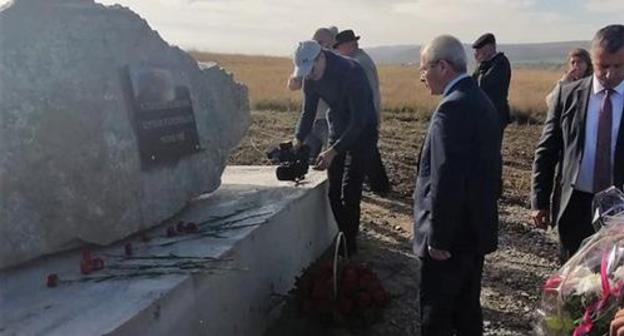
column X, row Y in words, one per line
column 602, row 167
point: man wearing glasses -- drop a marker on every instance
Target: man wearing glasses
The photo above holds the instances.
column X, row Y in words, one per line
column 455, row 213
column 352, row 118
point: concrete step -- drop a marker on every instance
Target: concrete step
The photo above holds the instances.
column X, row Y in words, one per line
column 257, row 234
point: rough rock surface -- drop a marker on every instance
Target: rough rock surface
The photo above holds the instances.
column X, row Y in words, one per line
column 70, row 170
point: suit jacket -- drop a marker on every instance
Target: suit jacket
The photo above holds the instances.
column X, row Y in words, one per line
column 458, row 175
column 560, row 149
column 493, row 77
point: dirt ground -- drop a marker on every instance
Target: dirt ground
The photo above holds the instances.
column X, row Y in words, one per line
column 512, row 276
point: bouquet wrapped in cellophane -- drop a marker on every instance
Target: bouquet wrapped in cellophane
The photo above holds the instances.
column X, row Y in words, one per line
column 583, row 296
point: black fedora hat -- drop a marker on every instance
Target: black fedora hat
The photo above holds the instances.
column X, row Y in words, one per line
column 345, row 36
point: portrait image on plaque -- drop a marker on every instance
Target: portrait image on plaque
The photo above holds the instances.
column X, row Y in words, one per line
column 163, row 116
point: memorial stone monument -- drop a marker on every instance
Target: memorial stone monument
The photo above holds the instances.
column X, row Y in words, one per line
column 105, row 129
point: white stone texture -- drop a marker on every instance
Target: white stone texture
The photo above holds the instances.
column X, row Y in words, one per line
column 270, row 231
column 70, row 171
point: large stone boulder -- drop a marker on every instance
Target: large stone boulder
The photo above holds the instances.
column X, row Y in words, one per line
column 72, row 169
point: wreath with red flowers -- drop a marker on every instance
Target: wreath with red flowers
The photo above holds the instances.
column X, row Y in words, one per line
column 354, row 297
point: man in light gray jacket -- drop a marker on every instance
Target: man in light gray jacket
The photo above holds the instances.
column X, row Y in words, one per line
column 347, row 45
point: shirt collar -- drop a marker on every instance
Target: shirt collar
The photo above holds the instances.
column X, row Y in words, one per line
column 597, row 87
column 450, row 84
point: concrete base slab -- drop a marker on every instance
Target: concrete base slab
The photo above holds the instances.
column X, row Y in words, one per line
column 257, row 234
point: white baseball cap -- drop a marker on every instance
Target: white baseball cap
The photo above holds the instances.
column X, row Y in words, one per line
column 304, row 57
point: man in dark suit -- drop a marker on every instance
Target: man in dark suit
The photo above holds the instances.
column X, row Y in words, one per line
column 493, row 74
column 581, row 150
column 455, row 213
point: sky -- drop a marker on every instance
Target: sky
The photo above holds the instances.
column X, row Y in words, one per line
column 272, row 27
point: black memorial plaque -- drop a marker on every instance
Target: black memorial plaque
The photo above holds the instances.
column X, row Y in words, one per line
column 163, row 116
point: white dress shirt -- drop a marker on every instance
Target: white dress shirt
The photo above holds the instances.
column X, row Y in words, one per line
column 585, row 178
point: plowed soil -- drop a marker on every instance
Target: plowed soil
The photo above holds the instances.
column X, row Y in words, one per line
column 512, row 276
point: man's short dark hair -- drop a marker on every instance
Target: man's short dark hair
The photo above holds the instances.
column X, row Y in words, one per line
column 609, row 38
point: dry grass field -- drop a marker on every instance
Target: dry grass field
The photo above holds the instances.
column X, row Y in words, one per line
column 404, row 99
column 400, row 89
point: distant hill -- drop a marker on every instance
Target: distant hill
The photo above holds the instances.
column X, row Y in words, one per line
column 519, row 54
column 400, row 54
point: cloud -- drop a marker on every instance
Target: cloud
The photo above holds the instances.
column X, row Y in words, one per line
column 274, row 26
column 512, row 21
column 606, row 6
column 486, row 12
column 255, row 26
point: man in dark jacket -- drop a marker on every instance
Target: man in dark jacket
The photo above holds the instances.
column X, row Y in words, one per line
column 581, row 150
column 493, row 74
column 342, row 84
column 455, row 212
